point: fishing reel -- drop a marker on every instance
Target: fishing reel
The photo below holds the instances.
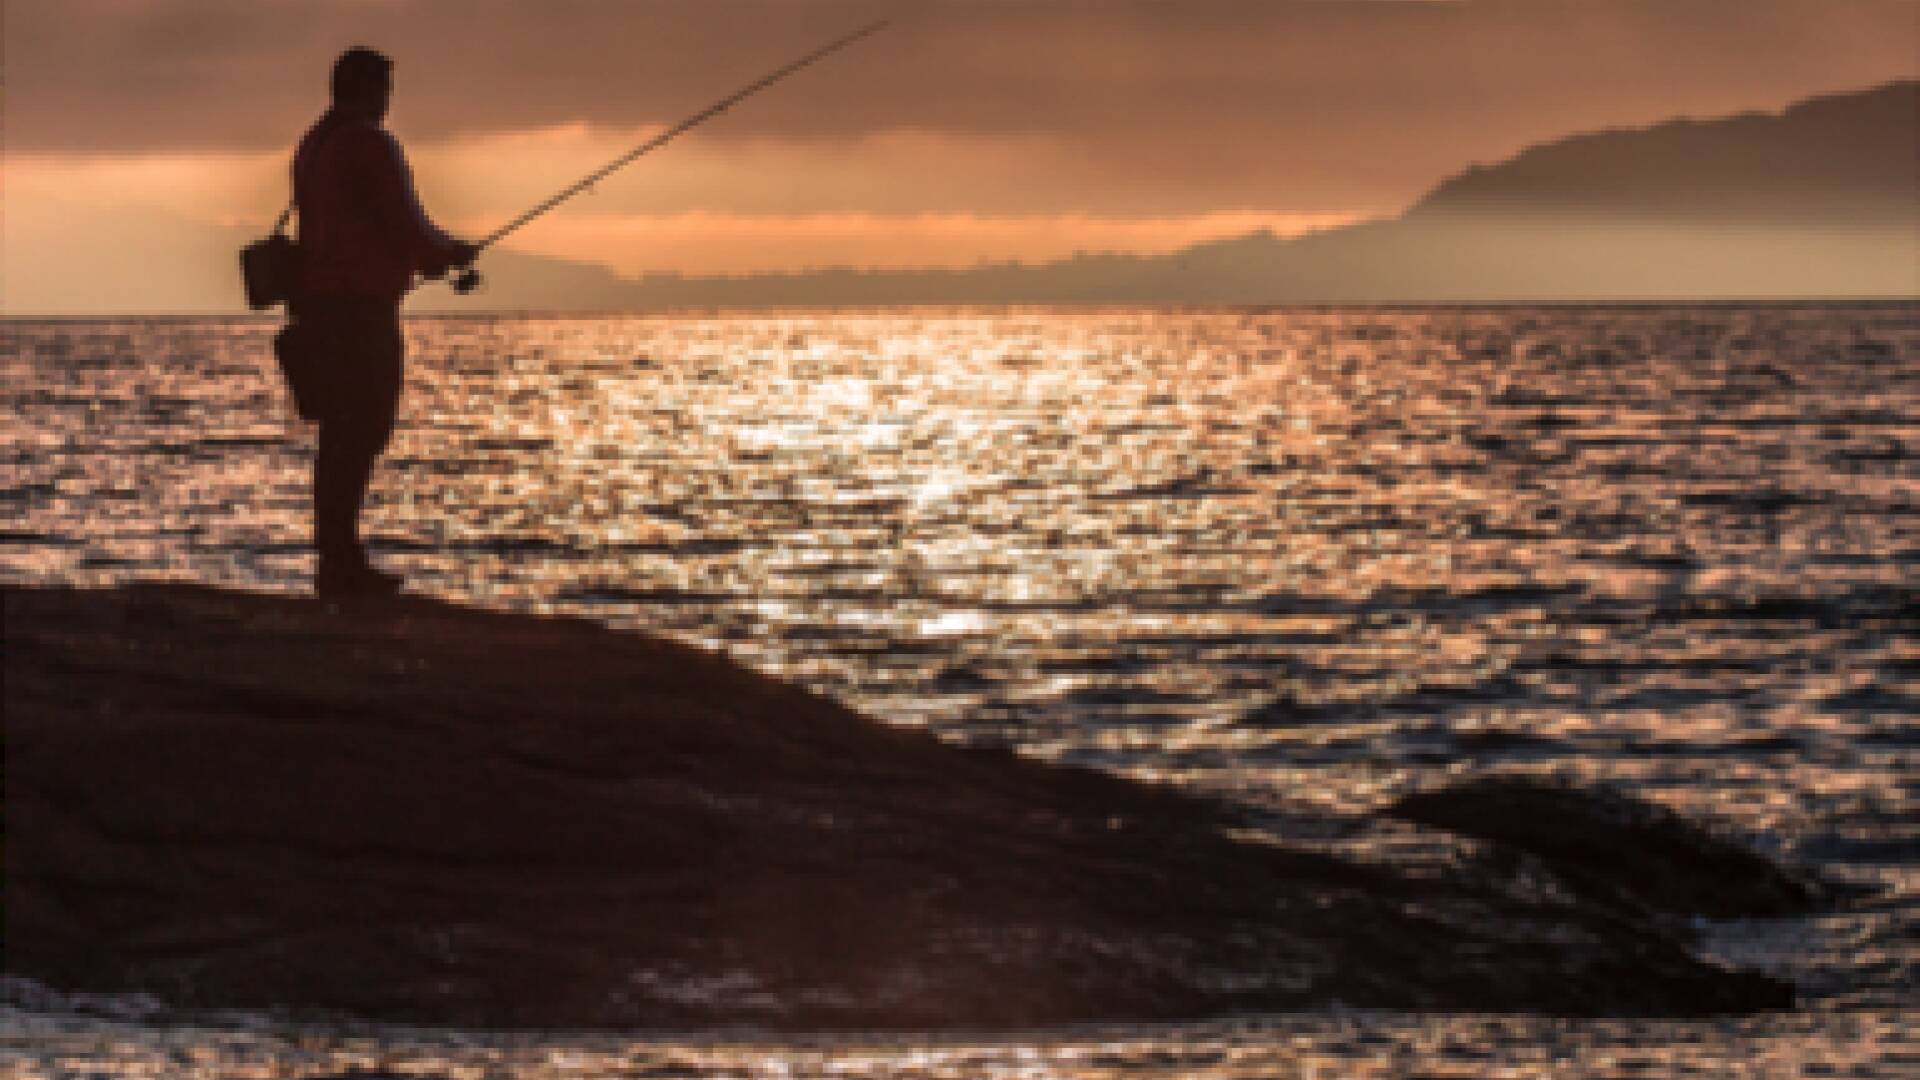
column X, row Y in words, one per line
column 461, row 279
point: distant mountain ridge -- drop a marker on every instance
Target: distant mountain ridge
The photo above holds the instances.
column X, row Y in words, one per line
column 1819, row 200
column 1825, row 160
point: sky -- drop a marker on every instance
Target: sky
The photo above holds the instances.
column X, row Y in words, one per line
column 969, row 130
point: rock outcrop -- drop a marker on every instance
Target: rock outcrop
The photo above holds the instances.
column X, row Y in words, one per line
column 1619, row 851
column 420, row 812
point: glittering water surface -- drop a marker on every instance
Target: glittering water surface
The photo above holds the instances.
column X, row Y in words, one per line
column 1302, row 559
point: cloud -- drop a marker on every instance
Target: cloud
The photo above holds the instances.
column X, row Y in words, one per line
column 1376, row 98
column 895, row 172
column 487, row 179
column 791, row 207
column 703, row 242
column 970, row 129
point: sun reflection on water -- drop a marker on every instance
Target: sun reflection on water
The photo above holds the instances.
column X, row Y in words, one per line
column 1301, row 558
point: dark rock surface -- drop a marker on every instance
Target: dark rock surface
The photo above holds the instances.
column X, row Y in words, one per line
column 1617, row 850
column 420, row 812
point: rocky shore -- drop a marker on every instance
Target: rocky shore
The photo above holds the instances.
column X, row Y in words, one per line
column 420, row 812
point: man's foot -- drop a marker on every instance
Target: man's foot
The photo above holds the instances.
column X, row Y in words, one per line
column 343, row 578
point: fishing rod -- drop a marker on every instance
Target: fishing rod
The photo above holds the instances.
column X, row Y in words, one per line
column 469, row 278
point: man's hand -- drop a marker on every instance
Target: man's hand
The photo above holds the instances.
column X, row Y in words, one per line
column 452, row 256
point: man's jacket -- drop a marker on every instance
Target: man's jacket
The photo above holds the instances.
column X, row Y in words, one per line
column 362, row 231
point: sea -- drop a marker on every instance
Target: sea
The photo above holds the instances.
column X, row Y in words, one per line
column 1303, row 560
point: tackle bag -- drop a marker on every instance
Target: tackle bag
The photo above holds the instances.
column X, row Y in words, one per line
column 268, row 269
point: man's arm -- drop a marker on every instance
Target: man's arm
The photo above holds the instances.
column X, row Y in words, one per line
column 396, row 206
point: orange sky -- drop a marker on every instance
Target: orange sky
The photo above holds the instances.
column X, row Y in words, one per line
column 970, row 130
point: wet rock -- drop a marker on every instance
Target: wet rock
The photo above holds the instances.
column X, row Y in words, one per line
column 1616, row 850
column 425, row 813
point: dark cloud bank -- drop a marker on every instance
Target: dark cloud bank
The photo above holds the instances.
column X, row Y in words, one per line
column 1206, row 103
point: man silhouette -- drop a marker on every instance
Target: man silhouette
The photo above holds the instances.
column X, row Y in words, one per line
column 363, row 237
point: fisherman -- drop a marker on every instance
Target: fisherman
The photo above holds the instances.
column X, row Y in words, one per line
column 363, row 238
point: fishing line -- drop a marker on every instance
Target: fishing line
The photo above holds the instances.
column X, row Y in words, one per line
column 469, row 278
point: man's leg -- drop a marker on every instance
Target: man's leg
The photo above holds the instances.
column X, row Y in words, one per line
column 354, row 431
column 342, row 472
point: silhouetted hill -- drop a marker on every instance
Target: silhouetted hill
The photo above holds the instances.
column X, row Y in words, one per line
column 1825, row 162
column 1818, row 200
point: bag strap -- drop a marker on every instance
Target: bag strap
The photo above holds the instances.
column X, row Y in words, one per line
column 280, row 226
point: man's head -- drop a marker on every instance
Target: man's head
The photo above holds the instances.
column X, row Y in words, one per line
column 362, row 82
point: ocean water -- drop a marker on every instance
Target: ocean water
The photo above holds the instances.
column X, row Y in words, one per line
column 1305, row 560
